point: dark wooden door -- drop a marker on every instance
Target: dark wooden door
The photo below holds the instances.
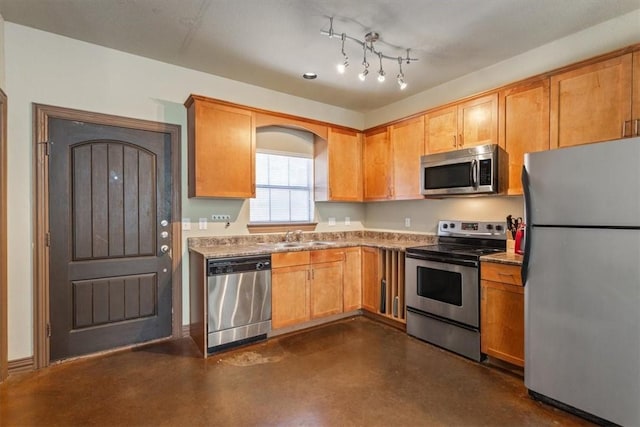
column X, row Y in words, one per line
column 110, row 215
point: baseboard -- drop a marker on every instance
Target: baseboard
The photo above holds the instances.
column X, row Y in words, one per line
column 398, row 324
column 17, row 366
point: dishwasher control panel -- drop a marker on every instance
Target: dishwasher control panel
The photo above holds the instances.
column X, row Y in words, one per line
column 217, row 266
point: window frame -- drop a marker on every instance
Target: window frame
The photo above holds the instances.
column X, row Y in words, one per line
column 275, row 226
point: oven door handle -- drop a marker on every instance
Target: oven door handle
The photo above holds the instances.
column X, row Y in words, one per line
column 446, row 260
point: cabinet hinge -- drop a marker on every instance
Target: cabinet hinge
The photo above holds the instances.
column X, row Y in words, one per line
column 48, row 330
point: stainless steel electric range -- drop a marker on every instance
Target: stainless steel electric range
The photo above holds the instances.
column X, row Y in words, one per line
column 442, row 284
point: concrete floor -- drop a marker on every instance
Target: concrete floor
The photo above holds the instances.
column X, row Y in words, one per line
column 354, row 372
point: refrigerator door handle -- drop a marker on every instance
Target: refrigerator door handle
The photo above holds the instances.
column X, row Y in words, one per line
column 528, row 220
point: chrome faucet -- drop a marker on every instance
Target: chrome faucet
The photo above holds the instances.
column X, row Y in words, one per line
column 287, row 236
column 298, row 234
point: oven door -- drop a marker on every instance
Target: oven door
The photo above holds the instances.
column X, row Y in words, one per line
column 444, row 289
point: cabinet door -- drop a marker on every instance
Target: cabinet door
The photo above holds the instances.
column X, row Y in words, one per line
column 289, row 296
column 502, row 318
column 377, row 166
column 635, row 108
column 326, row 289
column 371, row 275
column 345, row 165
column 524, row 126
column 478, row 121
column 591, row 103
column 352, row 280
column 407, row 144
column 221, row 150
column 441, row 130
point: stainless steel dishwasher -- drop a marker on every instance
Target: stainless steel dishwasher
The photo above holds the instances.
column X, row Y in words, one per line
column 239, row 300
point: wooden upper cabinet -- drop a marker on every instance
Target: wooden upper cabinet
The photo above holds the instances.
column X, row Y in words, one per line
column 221, row 149
column 338, row 166
column 592, row 103
column 467, row 124
column 377, row 163
column 407, row 143
column 441, row 130
column 524, row 125
column 478, row 121
column 635, row 98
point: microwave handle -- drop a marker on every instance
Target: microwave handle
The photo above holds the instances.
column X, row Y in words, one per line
column 474, row 173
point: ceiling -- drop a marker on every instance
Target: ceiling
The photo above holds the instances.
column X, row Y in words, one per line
column 271, row 43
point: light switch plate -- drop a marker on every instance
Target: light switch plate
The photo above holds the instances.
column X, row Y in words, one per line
column 202, row 223
column 186, row 224
column 407, row 222
column 347, row 220
column 332, row 220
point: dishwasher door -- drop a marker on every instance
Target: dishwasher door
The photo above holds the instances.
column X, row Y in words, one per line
column 239, row 306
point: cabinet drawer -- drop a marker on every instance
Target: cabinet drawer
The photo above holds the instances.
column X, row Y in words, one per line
column 327, row 255
column 503, row 273
column 287, row 259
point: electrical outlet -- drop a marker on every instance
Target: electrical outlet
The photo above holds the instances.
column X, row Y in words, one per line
column 222, row 218
column 407, row 222
column 332, row 220
column 186, row 224
column 202, row 223
column 347, row 220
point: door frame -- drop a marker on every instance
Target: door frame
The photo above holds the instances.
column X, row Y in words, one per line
column 41, row 115
column 4, row 351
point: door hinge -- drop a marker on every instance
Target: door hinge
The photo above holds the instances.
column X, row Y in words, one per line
column 46, row 147
column 48, row 239
column 48, row 330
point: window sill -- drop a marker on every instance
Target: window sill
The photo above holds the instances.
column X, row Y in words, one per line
column 282, row 227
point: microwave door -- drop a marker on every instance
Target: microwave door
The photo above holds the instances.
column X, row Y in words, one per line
column 450, row 178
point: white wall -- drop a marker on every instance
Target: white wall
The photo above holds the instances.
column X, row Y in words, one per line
column 50, row 69
column 602, row 38
column 425, row 214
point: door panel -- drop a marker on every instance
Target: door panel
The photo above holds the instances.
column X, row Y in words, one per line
column 109, row 190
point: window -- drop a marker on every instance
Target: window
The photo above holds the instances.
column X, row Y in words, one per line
column 284, row 189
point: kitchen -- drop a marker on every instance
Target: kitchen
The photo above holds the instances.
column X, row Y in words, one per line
column 102, row 89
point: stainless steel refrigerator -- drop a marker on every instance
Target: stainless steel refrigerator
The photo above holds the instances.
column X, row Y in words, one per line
column 582, row 279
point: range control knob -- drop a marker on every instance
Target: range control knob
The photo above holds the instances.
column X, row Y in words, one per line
column 499, row 228
column 452, row 225
column 445, row 226
column 489, row 227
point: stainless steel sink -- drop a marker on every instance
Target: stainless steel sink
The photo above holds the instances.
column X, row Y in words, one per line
column 309, row 244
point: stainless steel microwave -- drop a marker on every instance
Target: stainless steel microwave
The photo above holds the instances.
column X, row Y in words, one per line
column 471, row 171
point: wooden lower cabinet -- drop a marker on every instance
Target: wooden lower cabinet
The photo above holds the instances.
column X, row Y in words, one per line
column 502, row 312
column 352, row 279
column 326, row 289
column 289, row 296
column 371, row 276
column 306, row 285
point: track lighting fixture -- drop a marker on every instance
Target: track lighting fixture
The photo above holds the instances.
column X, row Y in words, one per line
column 368, row 45
column 363, row 75
column 380, row 71
column 401, row 82
column 345, row 62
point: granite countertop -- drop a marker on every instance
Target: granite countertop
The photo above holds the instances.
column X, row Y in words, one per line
column 228, row 246
column 503, row 258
